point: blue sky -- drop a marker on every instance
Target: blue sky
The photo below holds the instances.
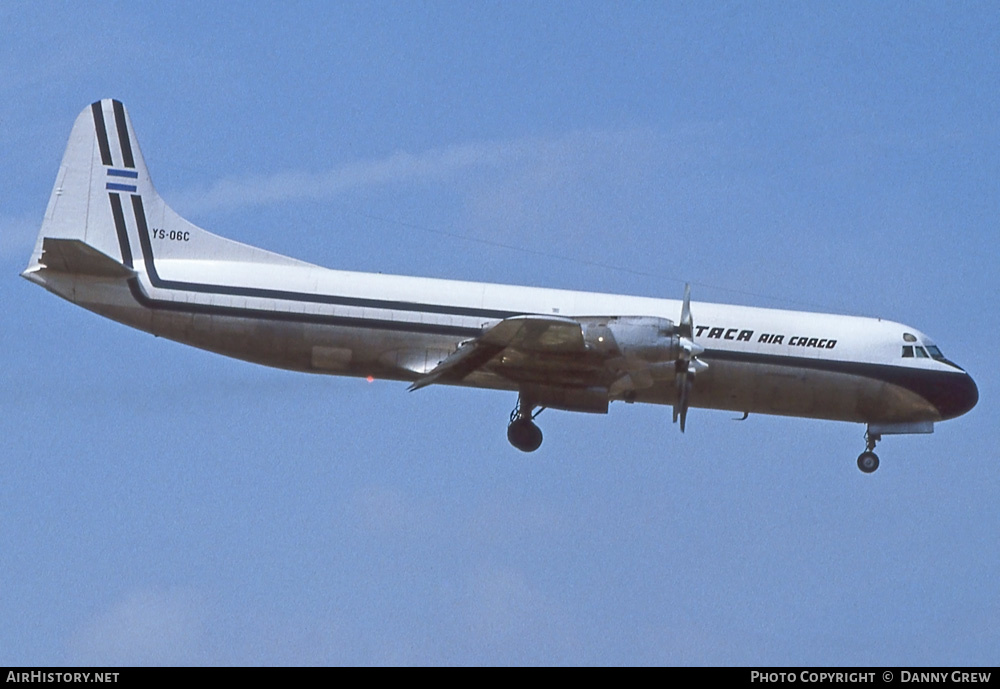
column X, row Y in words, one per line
column 159, row 504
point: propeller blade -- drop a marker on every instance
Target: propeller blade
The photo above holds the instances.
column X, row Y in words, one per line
column 681, row 403
column 687, row 364
column 686, row 328
column 684, row 410
column 680, row 381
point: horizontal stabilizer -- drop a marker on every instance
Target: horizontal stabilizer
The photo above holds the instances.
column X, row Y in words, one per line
column 77, row 258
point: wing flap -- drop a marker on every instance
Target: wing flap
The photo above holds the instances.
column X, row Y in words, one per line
column 463, row 361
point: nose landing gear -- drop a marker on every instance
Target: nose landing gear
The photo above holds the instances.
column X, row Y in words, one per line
column 522, row 431
column 868, row 460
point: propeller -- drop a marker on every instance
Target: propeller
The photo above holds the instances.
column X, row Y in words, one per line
column 687, row 364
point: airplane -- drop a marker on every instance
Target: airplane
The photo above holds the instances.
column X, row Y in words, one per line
column 110, row 244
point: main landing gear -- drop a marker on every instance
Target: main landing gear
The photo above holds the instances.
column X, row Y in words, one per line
column 868, row 460
column 522, row 431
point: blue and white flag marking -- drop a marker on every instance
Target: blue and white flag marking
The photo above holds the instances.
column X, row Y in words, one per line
column 118, row 186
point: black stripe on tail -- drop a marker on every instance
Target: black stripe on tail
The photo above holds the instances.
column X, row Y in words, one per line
column 102, row 133
column 123, row 133
column 119, row 216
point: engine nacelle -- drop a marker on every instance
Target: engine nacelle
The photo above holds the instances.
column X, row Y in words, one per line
column 647, row 338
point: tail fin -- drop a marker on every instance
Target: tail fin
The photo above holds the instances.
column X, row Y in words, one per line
column 103, row 197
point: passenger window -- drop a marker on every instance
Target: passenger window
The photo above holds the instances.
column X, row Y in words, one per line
column 921, row 354
column 907, row 351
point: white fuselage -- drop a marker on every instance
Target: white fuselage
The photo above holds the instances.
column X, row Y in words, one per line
column 308, row 318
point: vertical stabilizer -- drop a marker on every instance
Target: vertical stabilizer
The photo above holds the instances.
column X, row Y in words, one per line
column 104, row 198
column 79, row 206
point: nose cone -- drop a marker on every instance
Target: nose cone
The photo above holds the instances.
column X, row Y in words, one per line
column 955, row 395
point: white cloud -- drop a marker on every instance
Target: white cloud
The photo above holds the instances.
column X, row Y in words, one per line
column 387, row 511
column 146, row 627
column 402, row 167
column 535, row 162
column 504, row 612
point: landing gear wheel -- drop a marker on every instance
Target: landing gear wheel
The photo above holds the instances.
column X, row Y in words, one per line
column 522, row 431
column 524, row 435
column 868, row 461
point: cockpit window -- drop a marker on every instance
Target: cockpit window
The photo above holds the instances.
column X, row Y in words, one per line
column 927, row 351
column 935, row 353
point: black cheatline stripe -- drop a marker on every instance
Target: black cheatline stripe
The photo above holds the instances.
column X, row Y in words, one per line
column 312, row 318
column 102, row 132
column 282, row 295
column 123, row 134
column 119, row 216
column 927, row 384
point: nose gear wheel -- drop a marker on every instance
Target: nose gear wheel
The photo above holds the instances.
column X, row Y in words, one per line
column 868, row 460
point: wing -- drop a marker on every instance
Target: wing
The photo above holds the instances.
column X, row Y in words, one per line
column 616, row 354
column 529, row 336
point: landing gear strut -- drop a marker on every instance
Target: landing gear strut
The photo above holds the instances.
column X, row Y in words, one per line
column 868, row 460
column 522, row 431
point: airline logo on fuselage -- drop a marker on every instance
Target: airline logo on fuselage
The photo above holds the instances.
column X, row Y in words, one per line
column 743, row 335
